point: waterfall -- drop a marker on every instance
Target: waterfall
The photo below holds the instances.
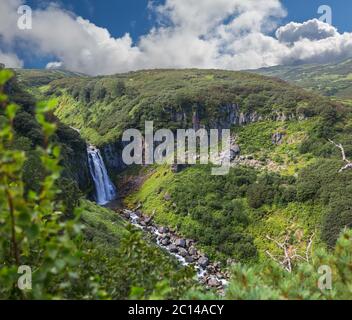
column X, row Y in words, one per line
column 105, row 191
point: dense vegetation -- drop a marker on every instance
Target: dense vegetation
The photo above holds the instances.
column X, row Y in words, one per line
column 103, row 107
column 288, row 191
column 293, row 184
column 215, row 211
column 28, row 135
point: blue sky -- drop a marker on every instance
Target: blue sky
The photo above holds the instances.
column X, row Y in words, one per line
column 118, row 16
column 133, row 16
column 302, row 10
column 121, row 16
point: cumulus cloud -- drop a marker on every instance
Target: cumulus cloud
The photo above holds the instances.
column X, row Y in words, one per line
column 311, row 30
column 225, row 34
column 321, row 51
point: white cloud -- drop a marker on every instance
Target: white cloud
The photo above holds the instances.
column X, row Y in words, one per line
column 225, row 34
column 311, row 30
column 54, row 65
column 10, row 60
column 321, row 51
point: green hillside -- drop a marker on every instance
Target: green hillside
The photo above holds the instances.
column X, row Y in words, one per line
column 333, row 80
column 103, row 107
column 34, row 78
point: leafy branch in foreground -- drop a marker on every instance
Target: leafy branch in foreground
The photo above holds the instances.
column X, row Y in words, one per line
column 32, row 230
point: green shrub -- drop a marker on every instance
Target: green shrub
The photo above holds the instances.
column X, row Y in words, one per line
column 322, row 183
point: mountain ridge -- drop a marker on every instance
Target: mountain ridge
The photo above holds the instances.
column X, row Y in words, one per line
column 333, row 80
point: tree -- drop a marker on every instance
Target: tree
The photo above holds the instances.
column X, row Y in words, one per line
column 344, row 158
column 119, row 88
column 290, row 252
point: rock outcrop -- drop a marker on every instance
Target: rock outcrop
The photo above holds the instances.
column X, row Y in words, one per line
column 112, row 154
column 277, row 138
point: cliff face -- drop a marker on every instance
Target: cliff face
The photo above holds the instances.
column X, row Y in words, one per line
column 104, row 107
column 77, row 169
column 228, row 116
column 177, row 99
column 74, row 157
column 112, row 154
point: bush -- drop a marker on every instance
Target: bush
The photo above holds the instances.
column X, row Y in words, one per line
column 322, row 183
column 338, row 217
column 257, row 195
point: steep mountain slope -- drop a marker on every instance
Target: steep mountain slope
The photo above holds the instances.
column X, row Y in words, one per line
column 103, row 107
column 330, row 79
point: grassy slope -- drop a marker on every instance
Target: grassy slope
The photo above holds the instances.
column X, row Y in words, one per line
column 105, row 228
column 275, row 221
column 126, row 263
column 331, row 79
column 255, row 139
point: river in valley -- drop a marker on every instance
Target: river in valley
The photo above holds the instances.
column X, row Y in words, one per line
column 184, row 250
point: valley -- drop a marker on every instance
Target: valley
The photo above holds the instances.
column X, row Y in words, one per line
column 203, row 236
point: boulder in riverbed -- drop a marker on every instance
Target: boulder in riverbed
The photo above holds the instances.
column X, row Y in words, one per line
column 213, row 282
column 165, row 241
column 203, row 262
column 189, row 242
column 163, row 230
column 148, row 220
column 173, row 248
column 192, row 251
column 182, row 252
column 181, row 243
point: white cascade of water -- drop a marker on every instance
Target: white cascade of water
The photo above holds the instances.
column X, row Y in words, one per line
column 201, row 272
column 105, row 191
